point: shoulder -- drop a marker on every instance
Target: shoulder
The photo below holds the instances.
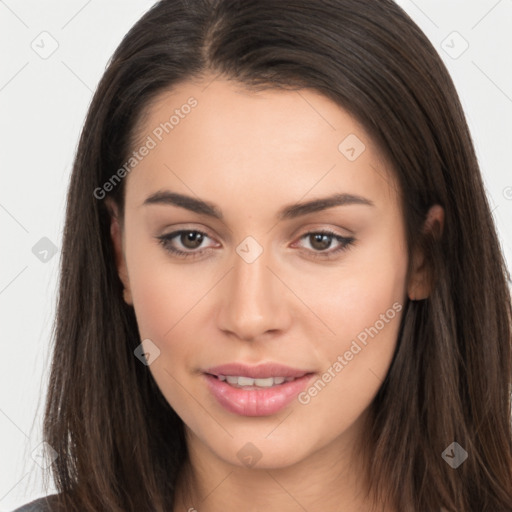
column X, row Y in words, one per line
column 39, row 505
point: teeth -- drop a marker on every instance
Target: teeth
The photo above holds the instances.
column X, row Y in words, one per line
column 240, row 381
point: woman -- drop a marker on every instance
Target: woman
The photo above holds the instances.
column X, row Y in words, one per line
column 281, row 286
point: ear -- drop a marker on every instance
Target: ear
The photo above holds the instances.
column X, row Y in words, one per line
column 116, row 234
column 419, row 281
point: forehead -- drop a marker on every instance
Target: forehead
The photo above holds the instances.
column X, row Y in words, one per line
column 220, row 137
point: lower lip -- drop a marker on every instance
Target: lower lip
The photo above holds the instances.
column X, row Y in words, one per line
column 256, row 402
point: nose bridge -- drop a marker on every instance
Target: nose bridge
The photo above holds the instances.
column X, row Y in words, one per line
column 254, row 301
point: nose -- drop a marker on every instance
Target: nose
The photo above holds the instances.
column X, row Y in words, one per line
column 253, row 300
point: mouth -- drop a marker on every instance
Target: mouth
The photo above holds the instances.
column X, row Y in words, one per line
column 256, row 391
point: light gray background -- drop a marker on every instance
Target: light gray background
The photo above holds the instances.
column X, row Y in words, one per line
column 43, row 102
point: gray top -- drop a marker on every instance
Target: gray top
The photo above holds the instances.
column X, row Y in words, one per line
column 39, row 505
column 43, row 505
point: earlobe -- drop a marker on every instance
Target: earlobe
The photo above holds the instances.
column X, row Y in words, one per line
column 116, row 236
column 420, row 282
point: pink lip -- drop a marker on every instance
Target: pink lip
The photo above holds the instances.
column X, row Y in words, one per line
column 256, row 402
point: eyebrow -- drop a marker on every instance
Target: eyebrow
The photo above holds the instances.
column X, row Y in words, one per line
column 166, row 197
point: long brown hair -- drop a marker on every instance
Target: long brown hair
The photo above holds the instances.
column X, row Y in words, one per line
column 120, row 445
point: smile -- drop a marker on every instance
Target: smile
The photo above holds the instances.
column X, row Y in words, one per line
column 247, row 396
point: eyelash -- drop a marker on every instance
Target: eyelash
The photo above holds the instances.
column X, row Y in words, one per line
column 345, row 243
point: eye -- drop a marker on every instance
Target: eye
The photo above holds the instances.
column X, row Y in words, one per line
column 320, row 241
column 188, row 239
column 190, row 243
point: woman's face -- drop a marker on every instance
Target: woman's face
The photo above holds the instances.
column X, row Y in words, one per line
column 244, row 184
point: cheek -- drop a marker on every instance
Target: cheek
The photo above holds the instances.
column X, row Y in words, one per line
column 365, row 311
column 164, row 294
column 361, row 302
column 353, row 295
column 167, row 303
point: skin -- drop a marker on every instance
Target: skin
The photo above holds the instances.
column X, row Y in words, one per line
column 252, row 153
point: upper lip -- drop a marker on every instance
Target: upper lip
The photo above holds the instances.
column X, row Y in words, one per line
column 261, row 371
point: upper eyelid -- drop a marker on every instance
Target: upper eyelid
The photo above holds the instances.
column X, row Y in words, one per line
column 317, row 227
